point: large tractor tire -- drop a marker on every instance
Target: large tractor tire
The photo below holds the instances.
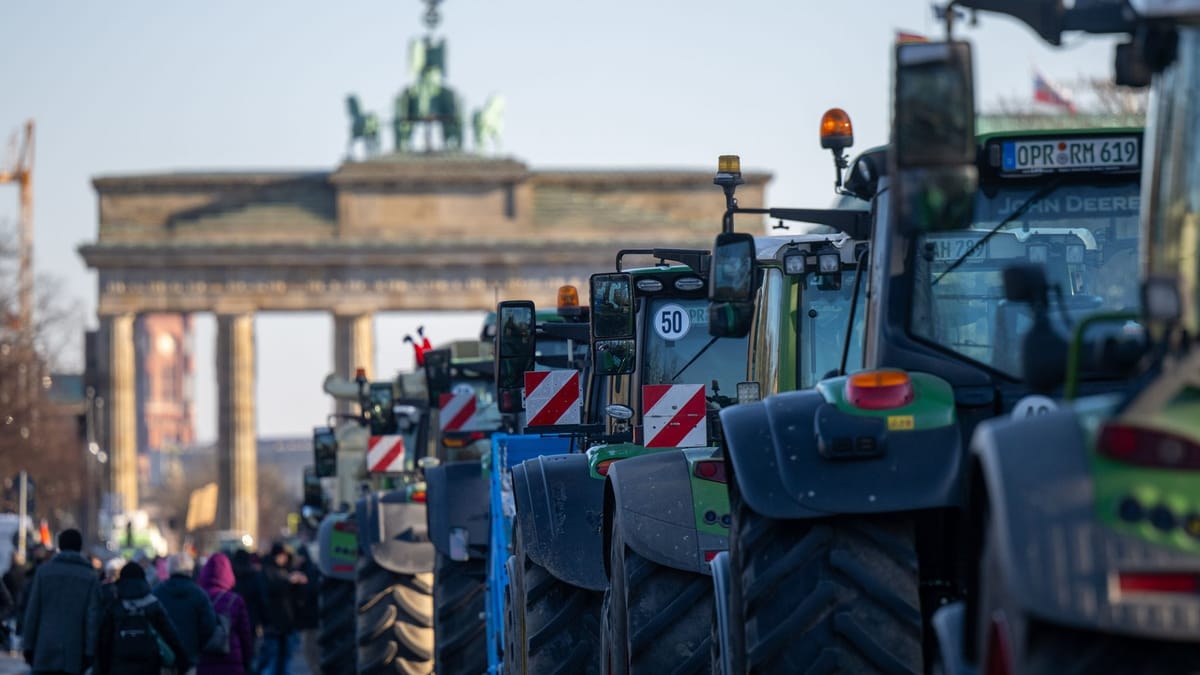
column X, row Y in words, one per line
column 335, row 638
column 831, row 595
column 395, row 621
column 459, row 595
column 658, row 619
column 562, row 624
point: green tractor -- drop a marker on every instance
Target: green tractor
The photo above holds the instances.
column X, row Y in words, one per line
column 666, row 507
column 848, row 498
column 1084, row 522
column 376, row 596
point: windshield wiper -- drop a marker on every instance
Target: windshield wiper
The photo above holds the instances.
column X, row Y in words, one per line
column 1020, row 211
column 689, row 363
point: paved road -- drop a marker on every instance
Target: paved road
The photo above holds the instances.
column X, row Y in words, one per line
column 15, row 665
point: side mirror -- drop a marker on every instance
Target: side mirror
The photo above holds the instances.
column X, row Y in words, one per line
column 614, row 357
column 516, row 347
column 612, row 306
column 379, row 408
column 933, row 136
column 325, row 447
column 732, row 277
column 437, row 374
column 1044, row 351
column 314, row 496
column 731, row 285
column 1026, row 283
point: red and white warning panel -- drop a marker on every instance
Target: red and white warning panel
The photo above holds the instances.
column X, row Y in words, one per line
column 385, row 454
column 455, row 410
column 552, row 397
column 674, row 415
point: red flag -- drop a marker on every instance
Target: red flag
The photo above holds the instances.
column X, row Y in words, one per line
column 1044, row 92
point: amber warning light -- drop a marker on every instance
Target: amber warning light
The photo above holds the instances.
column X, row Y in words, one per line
column 836, row 130
column 879, row 389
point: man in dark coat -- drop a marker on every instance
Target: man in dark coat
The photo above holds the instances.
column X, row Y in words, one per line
column 250, row 586
column 62, row 614
column 187, row 605
column 133, row 595
column 279, row 625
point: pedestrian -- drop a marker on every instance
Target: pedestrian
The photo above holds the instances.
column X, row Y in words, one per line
column 308, row 611
column 217, row 579
column 279, row 625
column 16, row 583
column 250, row 587
column 187, row 605
column 136, row 635
column 62, row 613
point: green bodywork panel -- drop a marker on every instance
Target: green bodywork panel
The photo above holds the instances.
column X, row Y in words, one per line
column 1178, row 490
column 708, row 497
column 343, row 549
column 932, row 406
column 616, row 451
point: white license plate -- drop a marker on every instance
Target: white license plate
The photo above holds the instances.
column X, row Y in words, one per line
column 1074, row 154
column 948, row 249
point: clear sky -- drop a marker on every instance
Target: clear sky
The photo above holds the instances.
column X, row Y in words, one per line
column 144, row 85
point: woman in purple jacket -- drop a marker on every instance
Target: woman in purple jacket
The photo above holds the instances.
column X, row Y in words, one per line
column 217, row 580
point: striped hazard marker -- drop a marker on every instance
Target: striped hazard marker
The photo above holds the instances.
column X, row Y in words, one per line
column 385, row 454
column 552, row 397
column 455, row 410
column 674, row 415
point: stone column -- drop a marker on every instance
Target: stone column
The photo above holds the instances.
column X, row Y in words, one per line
column 237, row 450
column 353, row 348
column 122, row 411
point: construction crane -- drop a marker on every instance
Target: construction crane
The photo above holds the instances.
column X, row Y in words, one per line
column 19, row 169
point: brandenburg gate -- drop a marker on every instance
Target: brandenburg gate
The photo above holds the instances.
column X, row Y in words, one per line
column 416, row 231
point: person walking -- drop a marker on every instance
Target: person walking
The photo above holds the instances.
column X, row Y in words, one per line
column 250, row 586
column 62, row 612
column 136, row 635
column 308, row 610
column 217, row 579
column 279, row 625
column 187, row 605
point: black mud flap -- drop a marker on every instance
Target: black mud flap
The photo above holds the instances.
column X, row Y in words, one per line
column 652, row 498
column 559, row 508
column 457, row 494
column 393, row 533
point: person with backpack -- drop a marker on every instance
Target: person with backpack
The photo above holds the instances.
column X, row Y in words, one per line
column 62, row 613
column 136, row 635
column 236, row 655
column 187, row 604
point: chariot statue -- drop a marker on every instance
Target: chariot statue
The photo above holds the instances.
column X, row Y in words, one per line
column 427, row 101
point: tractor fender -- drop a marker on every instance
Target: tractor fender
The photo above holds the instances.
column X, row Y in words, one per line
column 949, row 630
column 1057, row 558
column 337, row 546
column 559, row 508
column 650, row 498
column 772, row 445
column 392, row 531
column 457, row 494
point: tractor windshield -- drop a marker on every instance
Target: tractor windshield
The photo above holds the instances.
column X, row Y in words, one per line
column 823, row 316
column 1173, row 237
column 1084, row 232
column 679, row 350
